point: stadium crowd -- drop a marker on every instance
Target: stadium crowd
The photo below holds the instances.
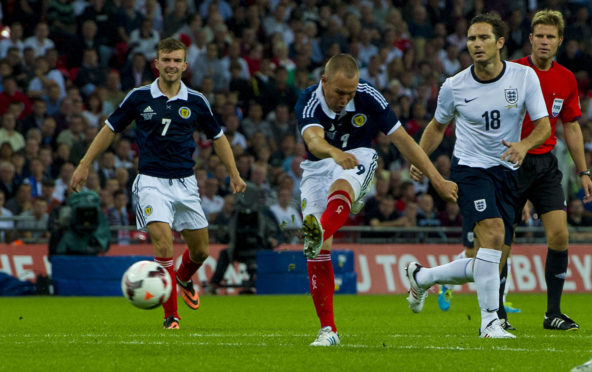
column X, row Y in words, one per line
column 65, row 65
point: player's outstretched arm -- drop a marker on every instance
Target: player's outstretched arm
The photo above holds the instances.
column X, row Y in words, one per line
column 517, row 150
column 447, row 190
column 314, row 137
column 575, row 145
column 97, row 147
column 430, row 139
column 224, row 152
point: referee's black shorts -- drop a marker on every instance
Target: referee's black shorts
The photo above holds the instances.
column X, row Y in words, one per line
column 539, row 180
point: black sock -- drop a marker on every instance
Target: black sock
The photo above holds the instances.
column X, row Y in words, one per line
column 501, row 312
column 555, row 272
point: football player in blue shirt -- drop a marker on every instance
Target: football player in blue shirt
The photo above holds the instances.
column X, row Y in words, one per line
column 338, row 119
column 167, row 113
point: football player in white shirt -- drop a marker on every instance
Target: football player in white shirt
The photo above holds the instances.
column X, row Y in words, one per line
column 488, row 100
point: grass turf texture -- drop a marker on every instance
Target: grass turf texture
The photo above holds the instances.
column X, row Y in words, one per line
column 256, row 333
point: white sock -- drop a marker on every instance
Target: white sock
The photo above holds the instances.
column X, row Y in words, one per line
column 454, row 272
column 487, row 281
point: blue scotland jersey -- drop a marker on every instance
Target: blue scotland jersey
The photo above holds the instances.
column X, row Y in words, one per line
column 165, row 128
column 357, row 126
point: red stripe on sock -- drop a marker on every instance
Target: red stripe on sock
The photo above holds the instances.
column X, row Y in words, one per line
column 170, row 306
column 187, row 267
column 336, row 213
column 322, row 286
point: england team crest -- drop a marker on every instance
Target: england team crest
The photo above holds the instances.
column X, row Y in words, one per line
column 556, row 108
column 480, row 205
column 511, row 95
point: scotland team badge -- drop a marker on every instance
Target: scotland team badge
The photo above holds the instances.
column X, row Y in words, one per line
column 358, row 120
column 184, row 112
column 511, row 95
column 556, row 108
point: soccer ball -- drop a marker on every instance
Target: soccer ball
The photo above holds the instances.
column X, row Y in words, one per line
column 146, row 285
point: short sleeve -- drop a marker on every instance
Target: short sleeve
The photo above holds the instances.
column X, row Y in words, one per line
column 124, row 114
column 571, row 110
column 445, row 109
column 535, row 101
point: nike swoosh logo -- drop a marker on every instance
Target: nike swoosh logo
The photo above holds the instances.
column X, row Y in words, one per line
column 469, row 100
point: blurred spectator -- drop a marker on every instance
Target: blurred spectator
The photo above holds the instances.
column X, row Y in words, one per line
column 47, row 190
column 93, row 110
column 9, row 134
column 10, row 94
column 136, row 73
column 211, row 202
column 63, row 182
column 381, row 188
column 79, row 147
column 8, row 182
column 118, row 215
column 286, row 215
column 107, row 167
column 21, row 201
column 75, row 133
column 211, row 65
column 115, row 92
column 232, row 133
column 123, row 154
column 427, row 216
column 102, row 13
column 575, row 59
column 5, row 226
column 153, row 11
column 36, row 227
column 15, row 39
column 91, row 74
column 175, row 18
column 35, row 176
column 86, row 39
column 128, row 19
column 43, row 77
column 255, row 122
column 407, row 196
column 578, row 217
column 144, row 40
column 386, row 215
column 62, row 23
column 39, row 42
column 459, row 37
column 35, row 120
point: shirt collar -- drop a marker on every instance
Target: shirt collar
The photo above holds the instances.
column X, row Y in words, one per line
column 351, row 106
column 181, row 95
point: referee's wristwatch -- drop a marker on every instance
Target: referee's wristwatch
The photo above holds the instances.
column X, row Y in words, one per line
column 585, row 173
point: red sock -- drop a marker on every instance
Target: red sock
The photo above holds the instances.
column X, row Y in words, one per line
column 336, row 213
column 322, row 286
column 187, row 267
column 170, row 306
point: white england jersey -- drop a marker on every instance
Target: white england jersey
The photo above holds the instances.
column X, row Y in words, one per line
column 488, row 111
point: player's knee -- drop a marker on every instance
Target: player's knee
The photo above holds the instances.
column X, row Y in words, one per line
column 558, row 240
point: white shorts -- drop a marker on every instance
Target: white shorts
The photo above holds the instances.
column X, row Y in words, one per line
column 318, row 176
column 174, row 201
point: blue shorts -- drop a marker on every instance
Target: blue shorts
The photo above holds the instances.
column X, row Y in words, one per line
column 486, row 193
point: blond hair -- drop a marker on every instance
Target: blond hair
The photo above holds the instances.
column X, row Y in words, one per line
column 550, row 18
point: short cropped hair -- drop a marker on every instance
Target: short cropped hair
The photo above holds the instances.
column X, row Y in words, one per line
column 342, row 63
column 494, row 20
column 168, row 45
column 550, row 18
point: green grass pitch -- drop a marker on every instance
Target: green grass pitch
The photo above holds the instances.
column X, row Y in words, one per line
column 272, row 333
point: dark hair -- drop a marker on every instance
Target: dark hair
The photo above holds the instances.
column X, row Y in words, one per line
column 498, row 26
